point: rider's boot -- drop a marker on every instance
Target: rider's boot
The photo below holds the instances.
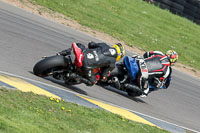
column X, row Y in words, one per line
column 145, row 92
column 145, row 86
column 133, row 87
column 86, row 81
column 79, row 78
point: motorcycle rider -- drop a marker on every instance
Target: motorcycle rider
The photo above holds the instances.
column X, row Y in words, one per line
column 155, row 69
column 97, row 55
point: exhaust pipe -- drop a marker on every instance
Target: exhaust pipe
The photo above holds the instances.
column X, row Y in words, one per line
column 115, row 80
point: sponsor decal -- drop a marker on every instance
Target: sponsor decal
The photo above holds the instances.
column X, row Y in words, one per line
column 90, row 56
column 96, row 56
column 80, row 57
column 144, row 70
column 112, row 51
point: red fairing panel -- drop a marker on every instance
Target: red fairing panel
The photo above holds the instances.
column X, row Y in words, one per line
column 78, row 54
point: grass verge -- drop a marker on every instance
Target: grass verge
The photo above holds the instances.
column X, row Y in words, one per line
column 28, row 112
column 136, row 23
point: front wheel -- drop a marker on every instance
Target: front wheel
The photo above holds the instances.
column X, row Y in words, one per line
column 50, row 64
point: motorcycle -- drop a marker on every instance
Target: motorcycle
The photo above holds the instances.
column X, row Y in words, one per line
column 125, row 77
column 60, row 67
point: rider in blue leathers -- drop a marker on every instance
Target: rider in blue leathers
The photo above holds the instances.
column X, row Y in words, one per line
column 154, row 71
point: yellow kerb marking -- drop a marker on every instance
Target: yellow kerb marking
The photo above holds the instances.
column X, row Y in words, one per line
column 25, row 86
column 127, row 114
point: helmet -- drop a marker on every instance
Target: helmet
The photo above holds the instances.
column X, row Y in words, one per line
column 120, row 51
column 172, row 55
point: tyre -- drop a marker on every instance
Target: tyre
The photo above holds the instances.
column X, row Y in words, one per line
column 197, row 14
column 176, row 11
column 180, row 2
column 49, row 64
column 188, row 17
column 198, row 5
column 163, row 6
column 166, row 2
column 193, row 2
column 156, row 3
column 197, row 21
column 177, row 6
column 189, row 12
column 198, row 11
column 191, row 7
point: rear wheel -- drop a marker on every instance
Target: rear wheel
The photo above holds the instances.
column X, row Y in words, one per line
column 50, row 64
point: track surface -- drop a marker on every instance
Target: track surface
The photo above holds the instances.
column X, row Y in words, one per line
column 25, row 38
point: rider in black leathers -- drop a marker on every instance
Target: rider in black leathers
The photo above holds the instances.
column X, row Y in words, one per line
column 97, row 55
column 159, row 71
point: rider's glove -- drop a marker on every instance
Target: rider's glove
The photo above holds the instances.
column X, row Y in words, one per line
column 157, row 83
column 134, row 56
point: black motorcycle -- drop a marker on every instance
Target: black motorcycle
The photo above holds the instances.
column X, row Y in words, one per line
column 61, row 67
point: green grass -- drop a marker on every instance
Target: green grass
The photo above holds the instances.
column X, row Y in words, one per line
column 136, row 23
column 30, row 113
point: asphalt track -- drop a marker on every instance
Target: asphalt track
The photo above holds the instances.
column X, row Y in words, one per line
column 25, row 38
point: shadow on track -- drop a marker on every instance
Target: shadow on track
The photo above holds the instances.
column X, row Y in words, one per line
column 71, row 87
column 78, row 90
column 60, row 82
column 136, row 99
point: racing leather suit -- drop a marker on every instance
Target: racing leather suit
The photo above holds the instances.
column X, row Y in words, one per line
column 159, row 69
column 97, row 55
